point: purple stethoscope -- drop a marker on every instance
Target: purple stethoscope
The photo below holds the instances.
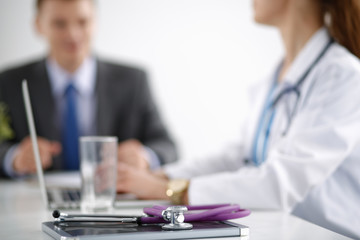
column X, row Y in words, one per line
column 178, row 216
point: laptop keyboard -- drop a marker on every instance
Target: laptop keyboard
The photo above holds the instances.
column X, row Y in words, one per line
column 64, row 198
column 71, row 195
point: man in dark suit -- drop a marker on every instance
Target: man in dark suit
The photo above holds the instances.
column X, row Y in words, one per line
column 105, row 99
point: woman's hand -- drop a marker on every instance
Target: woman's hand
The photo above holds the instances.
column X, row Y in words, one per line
column 143, row 183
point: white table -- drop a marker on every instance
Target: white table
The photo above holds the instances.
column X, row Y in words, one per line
column 22, row 212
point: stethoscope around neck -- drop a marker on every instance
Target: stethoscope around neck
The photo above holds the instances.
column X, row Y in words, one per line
column 296, row 88
column 269, row 111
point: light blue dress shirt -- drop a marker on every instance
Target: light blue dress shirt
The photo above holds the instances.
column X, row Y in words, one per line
column 84, row 79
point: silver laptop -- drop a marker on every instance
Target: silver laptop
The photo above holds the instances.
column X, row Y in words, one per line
column 63, row 188
column 53, row 197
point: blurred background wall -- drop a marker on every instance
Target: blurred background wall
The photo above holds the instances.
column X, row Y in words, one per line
column 200, row 55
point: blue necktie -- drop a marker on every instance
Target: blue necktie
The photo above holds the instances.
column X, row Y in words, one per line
column 70, row 130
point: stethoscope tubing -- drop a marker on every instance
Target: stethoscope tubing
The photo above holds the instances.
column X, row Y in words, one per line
column 296, row 87
column 220, row 212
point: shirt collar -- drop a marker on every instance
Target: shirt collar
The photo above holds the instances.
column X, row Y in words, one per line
column 307, row 56
column 83, row 78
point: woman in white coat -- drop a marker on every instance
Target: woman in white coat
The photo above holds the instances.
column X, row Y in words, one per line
column 300, row 151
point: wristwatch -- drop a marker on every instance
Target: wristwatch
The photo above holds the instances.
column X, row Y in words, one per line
column 176, row 189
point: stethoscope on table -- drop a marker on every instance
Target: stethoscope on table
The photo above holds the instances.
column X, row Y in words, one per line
column 179, row 220
column 269, row 110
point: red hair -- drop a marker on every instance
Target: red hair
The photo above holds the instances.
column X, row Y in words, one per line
column 344, row 24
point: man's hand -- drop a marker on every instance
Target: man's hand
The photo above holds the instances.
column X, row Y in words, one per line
column 144, row 184
column 133, row 153
column 24, row 162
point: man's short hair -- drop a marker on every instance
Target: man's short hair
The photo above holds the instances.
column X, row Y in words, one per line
column 40, row 2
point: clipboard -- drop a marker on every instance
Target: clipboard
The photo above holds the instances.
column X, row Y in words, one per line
column 112, row 231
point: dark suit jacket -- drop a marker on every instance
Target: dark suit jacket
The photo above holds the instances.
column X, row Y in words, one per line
column 125, row 107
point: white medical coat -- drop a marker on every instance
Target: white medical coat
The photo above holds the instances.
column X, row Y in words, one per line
column 313, row 170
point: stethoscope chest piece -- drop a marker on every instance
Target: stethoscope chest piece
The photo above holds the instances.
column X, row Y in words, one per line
column 175, row 214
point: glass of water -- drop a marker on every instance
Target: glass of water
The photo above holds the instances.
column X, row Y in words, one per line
column 98, row 173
